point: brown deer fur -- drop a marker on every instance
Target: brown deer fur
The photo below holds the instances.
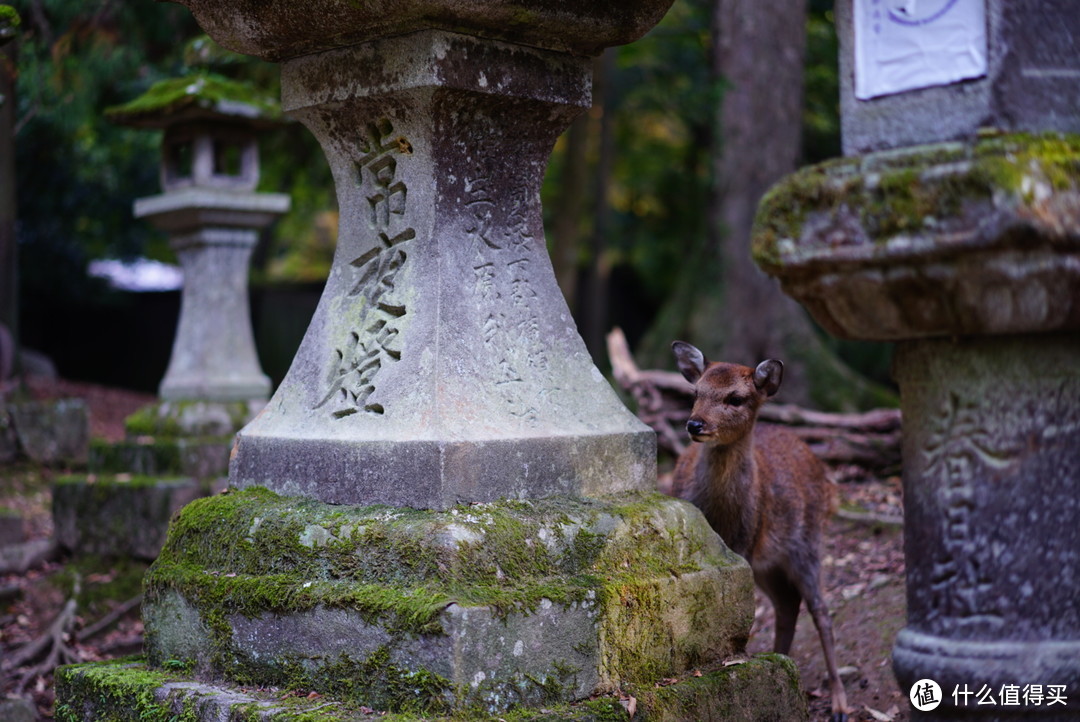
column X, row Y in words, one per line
column 762, row 490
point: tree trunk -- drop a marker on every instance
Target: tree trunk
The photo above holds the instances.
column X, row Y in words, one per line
column 570, row 207
column 729, row 307
column 8, row 259
column 596, row 309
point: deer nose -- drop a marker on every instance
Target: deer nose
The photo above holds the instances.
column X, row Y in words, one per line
column 695, row 426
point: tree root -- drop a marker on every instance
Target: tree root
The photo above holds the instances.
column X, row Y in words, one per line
column 54, row 639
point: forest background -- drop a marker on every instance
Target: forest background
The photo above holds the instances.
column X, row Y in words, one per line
column 649, row 196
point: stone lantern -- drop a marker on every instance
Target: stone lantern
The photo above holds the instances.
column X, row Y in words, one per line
column 952, row 228
column 213, row 215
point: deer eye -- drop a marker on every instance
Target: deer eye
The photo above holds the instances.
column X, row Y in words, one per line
column 734, row 400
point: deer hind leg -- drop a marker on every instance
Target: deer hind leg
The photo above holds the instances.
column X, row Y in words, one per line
column 786, row 599
column 816, row 605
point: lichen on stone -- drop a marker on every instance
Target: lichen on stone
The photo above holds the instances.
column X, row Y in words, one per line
column 874, row 198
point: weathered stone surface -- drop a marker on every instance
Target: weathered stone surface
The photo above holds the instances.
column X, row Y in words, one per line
column 489, row 604
column 18, row 710
column 762, row 689
column 281, row 29
column 52, row 432
column 980, row 238
column 12, row 527
column 442, row 364
column 213, row 355
column 992, row 518
column 1032, row 82
column 118, row 516
column 191, row 419
column 199, row 457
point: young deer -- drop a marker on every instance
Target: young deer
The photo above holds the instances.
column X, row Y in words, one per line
column 762, row 490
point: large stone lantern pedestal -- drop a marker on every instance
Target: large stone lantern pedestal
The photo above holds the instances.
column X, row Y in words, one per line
column 968, row 256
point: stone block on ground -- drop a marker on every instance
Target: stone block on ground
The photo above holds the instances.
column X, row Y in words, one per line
column 486, row 606
column 119, row 515
column 12, row 527
column 52, row 432
column 17, row 710
column 198, row 457
column 762, row 689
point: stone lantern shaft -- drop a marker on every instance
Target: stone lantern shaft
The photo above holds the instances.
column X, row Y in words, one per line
column 442, row 364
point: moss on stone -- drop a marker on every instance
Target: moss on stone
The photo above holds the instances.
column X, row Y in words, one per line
column 765, row 687
column 9, row 21
column 904, row 192
column 186, row 418
column 633, row 560
column 100, row 580
column 203, row 90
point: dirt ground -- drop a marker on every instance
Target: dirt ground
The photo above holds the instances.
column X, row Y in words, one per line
column 862, row 561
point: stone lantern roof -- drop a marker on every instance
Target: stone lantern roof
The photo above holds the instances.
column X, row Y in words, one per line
column 197, row 97
column 210, row 124
column 9, row 22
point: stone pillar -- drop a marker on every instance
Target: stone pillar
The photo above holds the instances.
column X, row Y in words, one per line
column 967, row 254
column 442, row 365
column 213, row 233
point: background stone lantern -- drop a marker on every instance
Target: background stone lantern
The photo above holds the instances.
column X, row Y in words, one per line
column 179, row 446
column 958, row 237
column 213, row 214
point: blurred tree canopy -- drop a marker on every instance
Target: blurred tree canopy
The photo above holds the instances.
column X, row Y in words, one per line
column 625, row 196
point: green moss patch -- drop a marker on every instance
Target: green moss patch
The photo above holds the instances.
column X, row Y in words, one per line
column 880, row 196
column 253, row 551
column 765, row 687
column 200, row 91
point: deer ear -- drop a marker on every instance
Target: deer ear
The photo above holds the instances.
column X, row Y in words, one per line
column 691, row 361
column 768, row 375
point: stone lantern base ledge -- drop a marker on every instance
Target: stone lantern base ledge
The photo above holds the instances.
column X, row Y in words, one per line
column 948, row 239
column 997, row 664
column 194, row 417
column 438, row 473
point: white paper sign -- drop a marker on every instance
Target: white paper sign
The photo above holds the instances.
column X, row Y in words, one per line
column 907, row 44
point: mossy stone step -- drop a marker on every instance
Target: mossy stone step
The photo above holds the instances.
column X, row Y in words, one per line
column 199, row 457
column 118, row 515
column 763, row 688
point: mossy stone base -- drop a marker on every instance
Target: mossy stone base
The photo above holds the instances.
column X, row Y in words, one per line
column 764, row 688
column 200, row 457
column 483, row 606
column 118, row 515
column 192, row 418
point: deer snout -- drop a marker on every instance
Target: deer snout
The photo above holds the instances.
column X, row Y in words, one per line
column 695, row 427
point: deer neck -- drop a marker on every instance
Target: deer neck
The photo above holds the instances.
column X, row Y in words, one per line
column 730, row 491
